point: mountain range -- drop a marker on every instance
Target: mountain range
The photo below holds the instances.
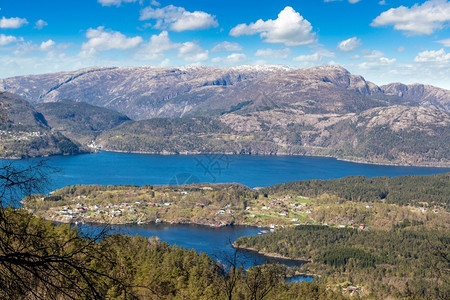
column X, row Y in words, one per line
column 248, row 110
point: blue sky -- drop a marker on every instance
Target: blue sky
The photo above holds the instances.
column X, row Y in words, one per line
column 385, row 41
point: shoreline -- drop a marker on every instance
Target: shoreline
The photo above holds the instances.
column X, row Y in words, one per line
column 187, row 153
column 248, row 249
column 273, row 255
column 72, row 221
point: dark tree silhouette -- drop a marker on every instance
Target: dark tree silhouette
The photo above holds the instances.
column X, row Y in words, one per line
column 38, row 259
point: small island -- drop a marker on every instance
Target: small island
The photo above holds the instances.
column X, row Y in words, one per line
column 370, row 236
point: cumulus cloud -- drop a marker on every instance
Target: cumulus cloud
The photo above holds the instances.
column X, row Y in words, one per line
column 273, row 53
column 445, row 42
column 114, row 2
column 7, row 39
column 12, row 23
column 377, row 62
column 46, row 46
column 101, row 40
column 290, row 28
column 156, row 47
column 178, row 19
column 439, row 56
column 350, row 44
column 234, row 58
column 40, row 24
column 226, row 46
column 192, row 52
column 417, row 20
column 315, row 58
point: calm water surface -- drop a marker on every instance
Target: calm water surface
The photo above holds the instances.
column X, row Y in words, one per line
column 139, row 169
column 213, row 241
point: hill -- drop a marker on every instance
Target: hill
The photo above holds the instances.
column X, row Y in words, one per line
column 79, row 120
column 25, row 132
column 19, row 113
column 393, row 134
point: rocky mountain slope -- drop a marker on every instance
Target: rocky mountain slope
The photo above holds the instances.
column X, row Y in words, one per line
column 249, row 109
column 395, row 134
column 147, row 92
column 420, row 94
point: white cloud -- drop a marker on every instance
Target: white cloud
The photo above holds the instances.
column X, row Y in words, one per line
column 101, row 40
column 7, row 39
column 417, row 20
column 350, row 44
column 40, row 24
column 12, row 22
column 155, row 3
column 114, row 2
column 290, row 28
column 46, row 46
column 445, row 42
column 382, row 2
column 377, row 63
column 439, row 56
column 24, row 48
column 178, row 19
column 273, row 53
column 316, row 57
column 234, row 58
column 226, row 46
column 156, row 47
column 371, row 54
column 192, row 52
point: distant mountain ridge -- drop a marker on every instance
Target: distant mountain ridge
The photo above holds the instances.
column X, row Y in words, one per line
column 262, row 110
column 148, row 92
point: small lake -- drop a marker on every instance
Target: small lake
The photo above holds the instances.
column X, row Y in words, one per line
column 215, row 242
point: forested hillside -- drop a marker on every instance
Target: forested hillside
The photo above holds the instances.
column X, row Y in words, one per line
column 79, row 120
column 25, row 133
column 44, row 260
column 406, row 261
column 403, row 190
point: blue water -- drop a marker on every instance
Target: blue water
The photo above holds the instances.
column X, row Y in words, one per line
column 139, row 169
column 212, row 241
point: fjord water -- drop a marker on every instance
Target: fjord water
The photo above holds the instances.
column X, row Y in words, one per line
column 108, row 168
